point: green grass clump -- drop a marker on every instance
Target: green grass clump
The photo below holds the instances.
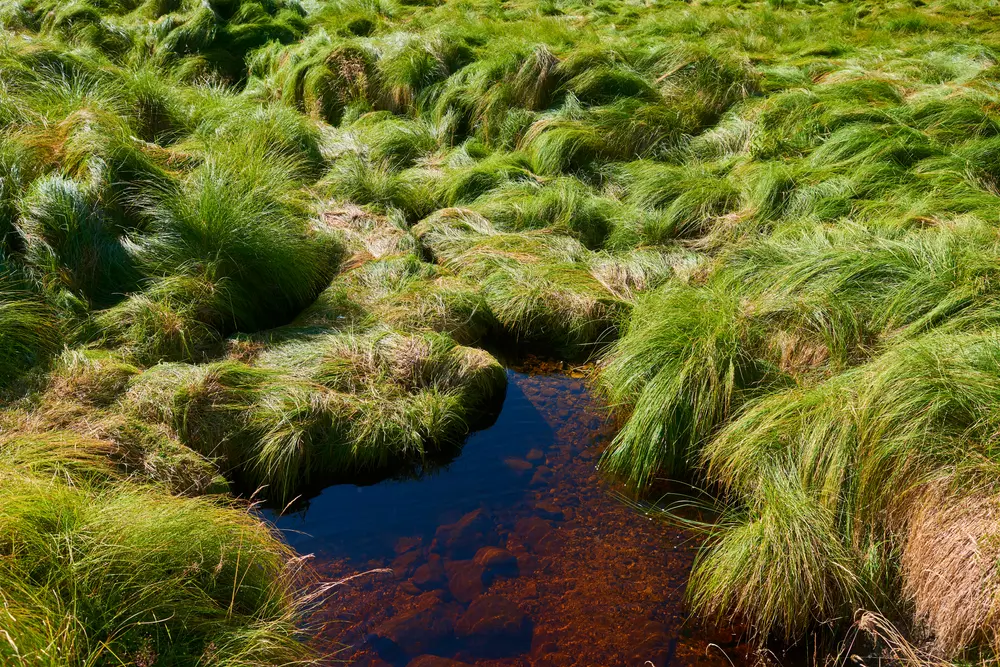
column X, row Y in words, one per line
column 201, row 402
column 29, row 327
column 861, row 449
column 78, row 409
column 92, row 572
column 95, row 377
column 684, row 201
column 407, row 294
column 559, row 306
column 365, row 182
column 537, row 285
column 848, row 361
column 215, row 38
column 235, row 226
column 682, row 366
column 238, row 131
column 319, row 75
column 176, row 318
column 68, row 239
column 466, row 182
column 324, row 407
column 783, row 564
column 562, row 205
column 557, row 146
column 383, row 401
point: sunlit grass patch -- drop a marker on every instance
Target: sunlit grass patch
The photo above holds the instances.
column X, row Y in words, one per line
column 324, row 406
column 147, row 573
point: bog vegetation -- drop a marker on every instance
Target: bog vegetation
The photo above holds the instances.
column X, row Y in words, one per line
column 264, row 245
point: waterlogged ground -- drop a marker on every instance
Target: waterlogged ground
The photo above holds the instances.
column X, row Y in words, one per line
column 516, row 553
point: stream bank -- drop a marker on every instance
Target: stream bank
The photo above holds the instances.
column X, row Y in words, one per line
column 515, row 553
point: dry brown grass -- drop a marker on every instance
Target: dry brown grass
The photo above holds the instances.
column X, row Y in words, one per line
column 93, row 378
column 950, row 568
column 798, row 354
column 130, row 447
column 898, row 648
column 367, row 235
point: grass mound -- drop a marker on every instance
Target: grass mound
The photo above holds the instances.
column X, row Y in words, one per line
column 29, row 328
column 406, row 293
column 325, row 407
column 537, row 285
column 94, row 573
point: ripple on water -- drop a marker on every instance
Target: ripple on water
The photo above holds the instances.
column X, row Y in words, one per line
column 516, row 553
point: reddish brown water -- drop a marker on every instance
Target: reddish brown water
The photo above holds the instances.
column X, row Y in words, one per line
column 516, row 553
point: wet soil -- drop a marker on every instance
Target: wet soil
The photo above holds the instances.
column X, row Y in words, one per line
column 516, row 553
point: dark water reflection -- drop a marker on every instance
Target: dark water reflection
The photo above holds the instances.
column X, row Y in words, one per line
column 368, row 519
column 515, row 553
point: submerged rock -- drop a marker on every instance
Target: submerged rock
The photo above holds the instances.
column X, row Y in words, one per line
column 410, row 588
column 425, row 628
column 549, row 510
column 518, row 465
column 494, row 626
column 431, row 574
column 535, row 533
column 466, row 580
column 654, row 645
column 374, row 661
column 462, row 538
column 656, row 651
column 543, row 645
column 541, row 477
column 496, row 562
column 406, row 544
column 435, row 661
column 402, row 564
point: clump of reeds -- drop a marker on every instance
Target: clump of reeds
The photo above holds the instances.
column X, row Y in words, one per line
column 230, row 251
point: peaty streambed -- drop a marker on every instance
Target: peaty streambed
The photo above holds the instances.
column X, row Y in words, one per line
column 515, row 553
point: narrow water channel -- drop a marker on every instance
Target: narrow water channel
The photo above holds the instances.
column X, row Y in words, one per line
column 515, row 553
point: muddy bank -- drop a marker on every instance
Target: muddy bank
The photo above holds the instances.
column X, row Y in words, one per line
column 517, row 553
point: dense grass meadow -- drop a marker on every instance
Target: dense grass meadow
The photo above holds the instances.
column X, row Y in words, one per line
column 252, row 247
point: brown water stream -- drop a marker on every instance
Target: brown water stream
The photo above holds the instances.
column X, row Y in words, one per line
column 518, row 552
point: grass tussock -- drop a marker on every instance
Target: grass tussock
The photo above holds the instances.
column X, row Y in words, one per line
column 332, row 405
column 542, row 287
column 90, row 572
column 406, row 293
column 29, row 327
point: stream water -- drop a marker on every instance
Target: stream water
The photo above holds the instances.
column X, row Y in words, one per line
column 515, row 553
